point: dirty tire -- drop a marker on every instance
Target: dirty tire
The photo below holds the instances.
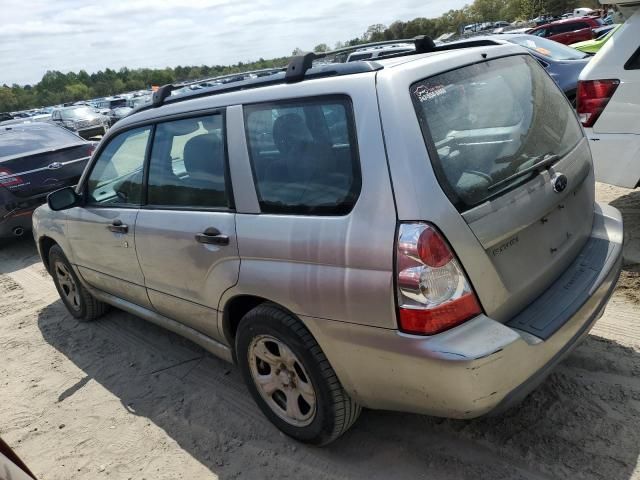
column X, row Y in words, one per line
column 335, row 411
column 86, row 308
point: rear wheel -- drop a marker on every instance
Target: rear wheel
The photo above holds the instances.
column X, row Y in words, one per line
column 290, row 378
column 79, row 302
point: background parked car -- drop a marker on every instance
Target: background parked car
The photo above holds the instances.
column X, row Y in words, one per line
column 83, row 120
column 568, row 31
column 609, row 103
column 35, row 159
column 563, row 63
column 602, row 37
column 375, row 52
column 118, row 113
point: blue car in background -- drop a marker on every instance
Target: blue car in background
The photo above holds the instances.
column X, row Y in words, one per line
column 563, row 63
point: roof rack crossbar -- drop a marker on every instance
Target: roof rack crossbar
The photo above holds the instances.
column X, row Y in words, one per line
column 161, row 94
column 298, row 66
column 423, row 43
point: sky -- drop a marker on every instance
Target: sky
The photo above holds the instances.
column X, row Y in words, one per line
column 70, row 35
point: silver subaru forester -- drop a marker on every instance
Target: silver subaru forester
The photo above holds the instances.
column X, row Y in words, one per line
column 416, row 233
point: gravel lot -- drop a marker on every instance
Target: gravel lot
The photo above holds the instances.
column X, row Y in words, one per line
column 121, row 398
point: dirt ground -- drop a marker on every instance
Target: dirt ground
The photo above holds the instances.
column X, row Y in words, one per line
column 120, row 398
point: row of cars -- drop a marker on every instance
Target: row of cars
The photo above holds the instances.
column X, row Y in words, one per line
column 89, row 119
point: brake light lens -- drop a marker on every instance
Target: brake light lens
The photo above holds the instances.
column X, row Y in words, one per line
column 592, row 97
column 8, row 179
column 433, row 291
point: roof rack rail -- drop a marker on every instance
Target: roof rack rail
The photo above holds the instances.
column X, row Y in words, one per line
column 278, row 77
column 295, row 71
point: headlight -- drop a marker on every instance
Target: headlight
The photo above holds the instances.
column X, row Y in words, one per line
column 69, row 123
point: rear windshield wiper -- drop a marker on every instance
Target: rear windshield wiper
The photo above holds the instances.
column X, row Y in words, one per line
column 546, row 162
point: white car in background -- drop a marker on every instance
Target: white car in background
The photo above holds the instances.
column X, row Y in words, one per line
column 608, row 103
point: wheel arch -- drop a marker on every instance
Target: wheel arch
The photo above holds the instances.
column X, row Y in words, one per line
column 236, row 307
column 45, row 244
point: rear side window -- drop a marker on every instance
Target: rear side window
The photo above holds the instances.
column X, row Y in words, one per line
column 20, row 140
column 187, row 166
column 486, row 122
column 304, row 156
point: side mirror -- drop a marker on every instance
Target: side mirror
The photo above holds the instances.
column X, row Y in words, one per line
column 63, row 199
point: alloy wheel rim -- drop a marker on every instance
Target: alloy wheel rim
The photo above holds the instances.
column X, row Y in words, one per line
column 282, row 380
column 68, row 287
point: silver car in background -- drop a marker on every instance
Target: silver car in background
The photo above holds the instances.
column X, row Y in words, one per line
column 417, row 233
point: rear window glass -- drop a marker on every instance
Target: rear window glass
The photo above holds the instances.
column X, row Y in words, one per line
column 487, row 122
column 19, row 140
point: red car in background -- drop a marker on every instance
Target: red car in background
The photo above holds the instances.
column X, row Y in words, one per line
column 568, row 31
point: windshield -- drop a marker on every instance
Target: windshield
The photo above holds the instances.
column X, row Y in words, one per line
column 487, row 122
column 78, row 113
column 22, row 140
column 548, row 48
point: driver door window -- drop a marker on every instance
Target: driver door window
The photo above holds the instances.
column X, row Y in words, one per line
column 116, row 178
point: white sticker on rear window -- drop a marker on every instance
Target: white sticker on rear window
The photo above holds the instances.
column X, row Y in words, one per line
column 425, row 93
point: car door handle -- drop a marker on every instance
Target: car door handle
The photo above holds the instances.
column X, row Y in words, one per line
column 212, row 236
column 118, row 227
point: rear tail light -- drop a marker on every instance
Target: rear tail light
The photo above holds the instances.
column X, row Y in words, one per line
column 433, row 291
column 8, row 179
column 592, row 97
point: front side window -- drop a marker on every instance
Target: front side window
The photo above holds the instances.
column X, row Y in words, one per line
column 116, row 177
column 304, row 156
column 480, row 145
column 188, row 166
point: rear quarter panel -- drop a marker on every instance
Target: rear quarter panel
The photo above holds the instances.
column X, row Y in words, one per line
column 328, row 267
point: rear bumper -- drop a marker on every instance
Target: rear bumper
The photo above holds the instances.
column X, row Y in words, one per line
column 17, row 223
column 15, row 212
column 478, row 367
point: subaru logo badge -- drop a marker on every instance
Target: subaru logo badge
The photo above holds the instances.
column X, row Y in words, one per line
column 54, row 166
column 559, row 182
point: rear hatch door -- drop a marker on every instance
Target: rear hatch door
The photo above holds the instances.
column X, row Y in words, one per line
column 39, row 158
column 510, row 157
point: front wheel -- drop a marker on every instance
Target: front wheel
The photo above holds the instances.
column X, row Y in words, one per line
column 290, row 378
column 79, row 302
